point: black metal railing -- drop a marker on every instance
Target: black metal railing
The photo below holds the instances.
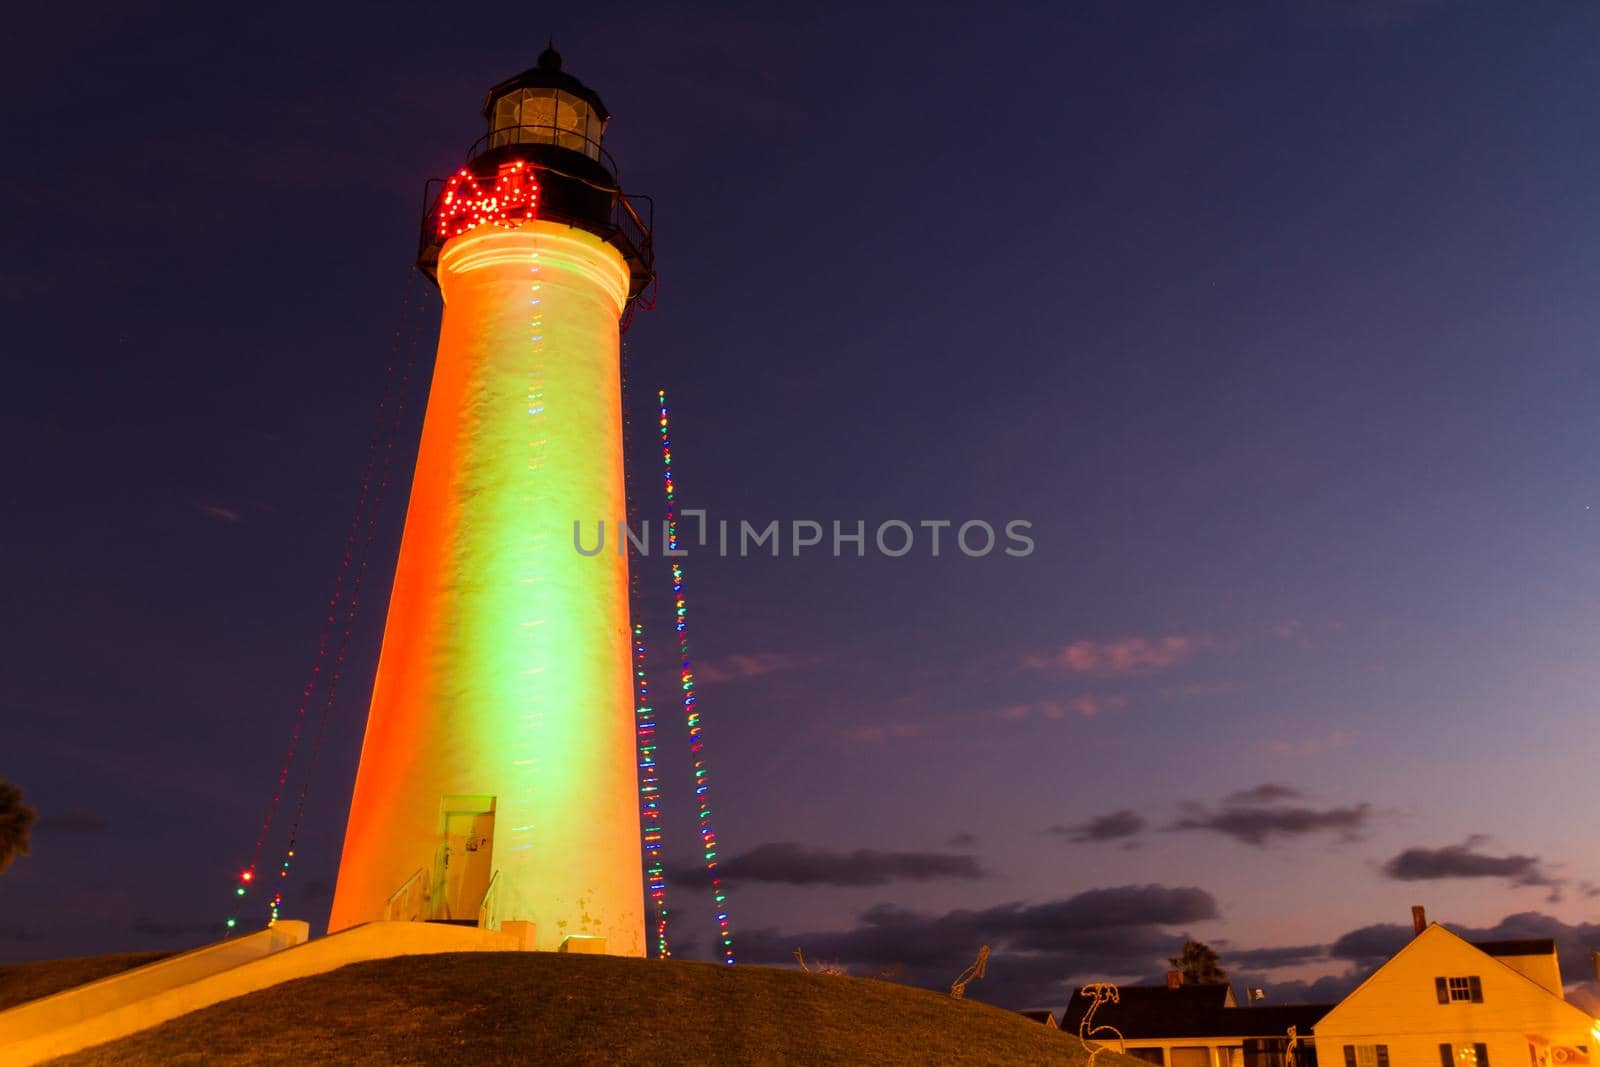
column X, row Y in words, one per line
column 627, row 222
column 635, row 227
column 544, row 134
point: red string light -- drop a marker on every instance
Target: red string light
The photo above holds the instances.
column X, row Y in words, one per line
column 248, row 875
column 352, row 609
column 466, row 204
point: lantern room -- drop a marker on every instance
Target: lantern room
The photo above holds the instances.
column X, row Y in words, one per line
column 546, row 106
column 544, row 138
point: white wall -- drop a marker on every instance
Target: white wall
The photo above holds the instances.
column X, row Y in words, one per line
column 1398, row 1007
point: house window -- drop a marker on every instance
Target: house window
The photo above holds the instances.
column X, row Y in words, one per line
column 1465, row 989
column 1464, row 1055
column 1148, row 1055
column 1366, row 1056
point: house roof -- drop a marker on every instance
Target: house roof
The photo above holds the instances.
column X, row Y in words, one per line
column 1528, row 946
column 1039, row 1015
column 1190, row 1011
column 1497, row 950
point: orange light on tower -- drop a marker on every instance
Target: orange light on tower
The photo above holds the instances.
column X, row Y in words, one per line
column 498, row 774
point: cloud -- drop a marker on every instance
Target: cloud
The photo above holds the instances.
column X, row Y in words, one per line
column 1329, row 989
column 786, row 863
column 1257, row 816
column 966, row 840
column 1574, row 941
column 1117, row 826
column 1041, row 952
column 217, row 512
column 1036, row 949
column 1369, row 946
column 1258, row 826
column 1083, row 706
column 742, row 668
column 1265, row 793
column 71, row 822
column 1419, row 864
column 1133, row 655
column 1267, row 959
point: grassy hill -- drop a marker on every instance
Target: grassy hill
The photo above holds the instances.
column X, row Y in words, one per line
column 547, row 1008
column 21, row 982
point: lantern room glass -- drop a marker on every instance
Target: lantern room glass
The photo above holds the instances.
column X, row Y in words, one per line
column 546, row 116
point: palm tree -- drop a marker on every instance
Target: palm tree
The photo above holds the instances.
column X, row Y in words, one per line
column 1199, row 963
column 16, row 820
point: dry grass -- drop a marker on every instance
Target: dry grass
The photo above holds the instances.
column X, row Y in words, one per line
column 551, row 1009
column 30, row 981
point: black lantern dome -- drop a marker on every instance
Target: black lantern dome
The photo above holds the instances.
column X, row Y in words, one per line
column 546, row 106
column 552, row 123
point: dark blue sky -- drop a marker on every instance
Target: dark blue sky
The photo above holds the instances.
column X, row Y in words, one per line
column 1276, row 321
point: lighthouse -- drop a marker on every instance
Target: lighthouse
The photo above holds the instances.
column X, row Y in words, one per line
column 497, row 780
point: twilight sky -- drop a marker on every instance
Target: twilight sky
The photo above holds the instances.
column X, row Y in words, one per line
column 1276, row 320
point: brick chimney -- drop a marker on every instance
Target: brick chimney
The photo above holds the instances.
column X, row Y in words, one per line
column 1174, row 979
column 1419, row 919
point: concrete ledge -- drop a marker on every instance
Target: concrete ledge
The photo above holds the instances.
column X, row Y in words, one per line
column 525, row 932
column 81, row 1003
column 62, row 1028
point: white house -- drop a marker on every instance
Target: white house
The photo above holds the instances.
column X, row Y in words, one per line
column 1444, row 1002
column 1178, row 1025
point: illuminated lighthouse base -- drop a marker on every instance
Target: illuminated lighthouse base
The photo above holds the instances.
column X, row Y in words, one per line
column 498, row 775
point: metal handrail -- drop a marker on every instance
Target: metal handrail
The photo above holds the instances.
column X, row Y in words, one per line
column 409, row 902
column 644, row 228
column 488, row 908
column 436, row 884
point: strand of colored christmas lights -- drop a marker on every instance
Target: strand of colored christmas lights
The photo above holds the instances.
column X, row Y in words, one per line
column 352, row 609
column 651, row 825
column 691, row 714
column 650, row 819
column 247, row 875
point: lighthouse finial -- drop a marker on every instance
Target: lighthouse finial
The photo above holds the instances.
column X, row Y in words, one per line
column 550, row 59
